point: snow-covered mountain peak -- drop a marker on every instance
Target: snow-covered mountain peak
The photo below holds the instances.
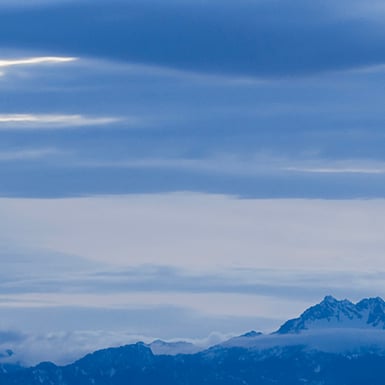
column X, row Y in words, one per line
column 333, row 313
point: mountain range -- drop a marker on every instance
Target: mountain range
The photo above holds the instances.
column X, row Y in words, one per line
column 334, row 342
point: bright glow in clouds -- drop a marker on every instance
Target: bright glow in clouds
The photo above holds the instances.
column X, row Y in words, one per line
column 36, row 60
column 46, row 121
column 203, row 232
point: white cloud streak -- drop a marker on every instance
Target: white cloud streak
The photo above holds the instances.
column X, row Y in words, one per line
column 36, row 60
column 52, row 121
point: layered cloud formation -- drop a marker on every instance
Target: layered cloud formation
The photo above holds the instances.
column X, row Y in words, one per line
column 115, row 262
column 155, row 130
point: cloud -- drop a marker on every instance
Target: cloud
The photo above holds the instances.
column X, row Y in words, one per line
column 226, row 164
column 8, row 64
column 337, row 166
column 250, row 38
column 45, row 282
column 248, row 166
column 347, row 341
column 63, row 281
column 205, row 304
column 35, row 60
column 213, row 256
column 31, row 349
column 50, row 121
column 159, row 71
column 358, row 166
column 203, row 231
column 81, row 330
column 27, row 154
column 192, row 260
column 337, row 170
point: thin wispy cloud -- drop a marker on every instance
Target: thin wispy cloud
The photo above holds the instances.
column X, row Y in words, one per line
column 248, row 166
column 221, row 164
column 51, row 121
column 27, row 154
column 329, row 170
column 348, row 166
column 17, row 281
column 35, row 60
column 160, row 71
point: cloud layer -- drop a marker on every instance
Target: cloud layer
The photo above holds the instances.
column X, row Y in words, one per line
column 211, row 256
column 166, row 130
column 203, row 230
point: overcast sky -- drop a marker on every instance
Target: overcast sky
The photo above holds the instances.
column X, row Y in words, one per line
column 185, row 169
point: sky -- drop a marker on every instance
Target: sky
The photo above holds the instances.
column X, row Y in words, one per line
column 185, row 169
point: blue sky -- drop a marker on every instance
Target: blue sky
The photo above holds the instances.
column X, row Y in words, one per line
column 214, row 165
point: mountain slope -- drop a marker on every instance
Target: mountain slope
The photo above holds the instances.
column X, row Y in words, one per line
column 135, row 365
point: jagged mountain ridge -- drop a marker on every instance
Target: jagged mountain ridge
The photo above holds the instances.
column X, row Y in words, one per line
column 331, row 313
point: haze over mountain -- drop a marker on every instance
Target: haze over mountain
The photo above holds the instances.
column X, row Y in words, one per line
column 287, row 356
column 251, row 358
